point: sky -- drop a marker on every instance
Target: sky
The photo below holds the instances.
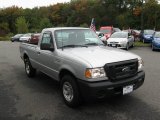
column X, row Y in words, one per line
column 29, row 3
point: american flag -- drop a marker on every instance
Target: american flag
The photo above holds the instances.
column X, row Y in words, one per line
column 93, row 27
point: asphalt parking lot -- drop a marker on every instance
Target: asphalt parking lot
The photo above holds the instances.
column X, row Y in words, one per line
column 22, row 98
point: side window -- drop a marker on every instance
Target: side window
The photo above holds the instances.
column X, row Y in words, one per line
column 47, row 38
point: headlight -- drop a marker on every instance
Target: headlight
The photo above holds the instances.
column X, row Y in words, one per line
column 140, row 65
column 95, row 73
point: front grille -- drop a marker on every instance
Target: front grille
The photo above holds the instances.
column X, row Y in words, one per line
column 120, row 70
column 113, row 42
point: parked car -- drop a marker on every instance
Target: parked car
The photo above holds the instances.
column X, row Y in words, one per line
column 146, row 36
column 101, row 36
column 107, row 30
column 127, row 30
column 34, row 38
column 121, row 40
column 136, row 34
column 16, row 37
column 82, row 64
column 25, row 37
column 156, row 41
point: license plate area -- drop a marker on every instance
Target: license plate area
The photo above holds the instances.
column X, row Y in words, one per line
column 127, row 89
column 113, row 45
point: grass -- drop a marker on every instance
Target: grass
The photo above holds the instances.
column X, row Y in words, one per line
column 6, row 38
column 141, row 44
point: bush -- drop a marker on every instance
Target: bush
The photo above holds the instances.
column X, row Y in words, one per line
column 84, row 25
column 6, row 38
column 141, row 44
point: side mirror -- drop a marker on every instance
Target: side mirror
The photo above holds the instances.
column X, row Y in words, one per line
column 100, row 35
column 46, row 46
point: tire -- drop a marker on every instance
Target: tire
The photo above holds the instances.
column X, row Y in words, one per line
column 30, row 71
column 153, row 48
column 105, row 42
column 70, row 91
column 133, row 44
column 127, row 47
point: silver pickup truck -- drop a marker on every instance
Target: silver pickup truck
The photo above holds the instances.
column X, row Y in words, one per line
column 83, row 65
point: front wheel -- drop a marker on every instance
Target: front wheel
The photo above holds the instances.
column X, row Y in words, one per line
column 30, row 71
column 127, row 46
column 153, row 48
column 70, row 92
column 133, row 44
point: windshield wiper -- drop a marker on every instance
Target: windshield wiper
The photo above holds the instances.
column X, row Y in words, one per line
column 72, row 46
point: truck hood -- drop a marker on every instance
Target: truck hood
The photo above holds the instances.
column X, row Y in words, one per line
column 98, row 56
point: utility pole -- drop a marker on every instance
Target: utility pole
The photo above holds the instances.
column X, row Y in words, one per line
column 142, row 16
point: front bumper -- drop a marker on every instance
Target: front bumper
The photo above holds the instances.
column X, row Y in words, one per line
column 147, row 39
column 117, row 45
column 106, row 88
column 156, row 46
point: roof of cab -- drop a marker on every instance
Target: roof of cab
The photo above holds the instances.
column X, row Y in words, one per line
column 64, row 28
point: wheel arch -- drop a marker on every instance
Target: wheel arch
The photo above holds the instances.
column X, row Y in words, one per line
column 65, row 72
column 25, row 56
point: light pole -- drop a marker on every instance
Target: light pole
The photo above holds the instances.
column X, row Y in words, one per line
column 142, row 16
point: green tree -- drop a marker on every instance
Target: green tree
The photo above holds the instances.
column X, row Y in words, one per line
column 150, row 14
column 4, row 26
column 84, row 25
column 45, row 23
column 21, row 25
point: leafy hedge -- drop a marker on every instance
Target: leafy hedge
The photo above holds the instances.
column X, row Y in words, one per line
column 4, row 38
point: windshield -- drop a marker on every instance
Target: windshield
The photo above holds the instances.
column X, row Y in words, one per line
column 18, row 35
column 76, row 37
column 157, row 34
column 105, row 31
column 148, row 32
column 119, row 35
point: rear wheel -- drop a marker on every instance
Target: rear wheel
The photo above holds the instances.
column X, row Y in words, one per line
column 30, row 71
column 153, row 48
column 69, row 90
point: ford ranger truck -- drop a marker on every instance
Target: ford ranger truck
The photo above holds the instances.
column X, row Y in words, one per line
column 82, row 64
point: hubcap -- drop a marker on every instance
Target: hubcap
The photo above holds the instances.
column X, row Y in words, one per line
column 27, row 67
column 68, row 91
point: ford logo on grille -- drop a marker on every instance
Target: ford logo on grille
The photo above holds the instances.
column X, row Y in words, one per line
column 126, row 69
